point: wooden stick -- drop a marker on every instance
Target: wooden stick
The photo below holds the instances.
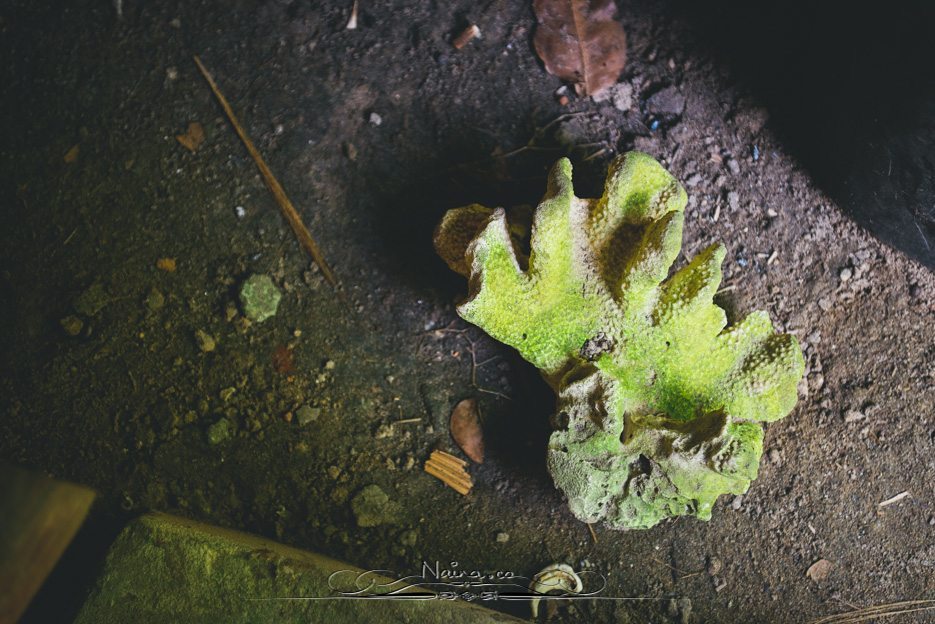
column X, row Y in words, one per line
column 459, row 487
column 448, row 458
column 460, row 477
column 285, row 206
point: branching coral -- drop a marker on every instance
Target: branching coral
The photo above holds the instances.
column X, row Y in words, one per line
column 659, row 406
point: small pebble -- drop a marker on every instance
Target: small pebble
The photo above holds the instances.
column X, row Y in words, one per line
column 733, row 165
column 155, row 300
column 845, row 274
column 774, row 456
column 733, row 200
column 307, row 414
column 172, row 73
column 72, row 325
column 713, row 566
column 853, row 416
column 219, row 431
column 375, row 119
column 503, row 537
column 206, row 341
column 736, row 503
column 241, row 212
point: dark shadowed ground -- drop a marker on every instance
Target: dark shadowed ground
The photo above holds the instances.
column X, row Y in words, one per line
column 126, row 404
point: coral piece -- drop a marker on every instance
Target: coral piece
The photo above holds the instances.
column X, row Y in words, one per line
column 659, row 406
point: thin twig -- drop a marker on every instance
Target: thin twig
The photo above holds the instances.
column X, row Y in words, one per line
column 878, row 611
column 285, row 205
column 591, row 530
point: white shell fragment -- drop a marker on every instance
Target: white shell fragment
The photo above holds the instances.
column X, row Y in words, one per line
column 557, row 576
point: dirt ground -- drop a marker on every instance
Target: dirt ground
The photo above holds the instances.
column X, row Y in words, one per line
column 374, row 133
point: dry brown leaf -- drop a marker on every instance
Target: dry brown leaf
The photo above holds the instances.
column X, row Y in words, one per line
column 819, row 570
column 72, row 154
column 193, row 137
column 579, row 41
column 466, row 431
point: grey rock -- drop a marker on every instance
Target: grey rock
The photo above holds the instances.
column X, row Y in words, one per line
column 666, row 102
column 372, row 507
column 307, row 414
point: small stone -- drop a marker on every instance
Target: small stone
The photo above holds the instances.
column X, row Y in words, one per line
column 409, row 538
column 172, row 73
column 694, row 180
column 155, row 300
column 737, row 502
column 713, row 566
column 334, row 472
column 733, row 165
column 307, row 414
column 206, row 341
column 733, row 200
column 621, row 95
column 853, row 416
column 845, row 274
column 72, row 325
column 816, row 382
column 329, row 365
column 372, row 507
column 92, row 300
column 775, row 456
column 259, row 297
column 503, row 537
column 240, row 211
column 219, row 431
column 825, row 304
column 819, row 570
column 666, row 102
column 375, row 119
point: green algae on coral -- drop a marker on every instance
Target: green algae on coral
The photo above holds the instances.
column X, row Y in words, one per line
column 660, row 406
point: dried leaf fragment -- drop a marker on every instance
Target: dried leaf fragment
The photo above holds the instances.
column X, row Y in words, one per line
column 579, row 41
column 193, row 137
column 71, row 155
column 466, row 431
column 819, row 570
column 450, row 470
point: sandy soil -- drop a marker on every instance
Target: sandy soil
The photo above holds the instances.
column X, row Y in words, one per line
column 126, row 404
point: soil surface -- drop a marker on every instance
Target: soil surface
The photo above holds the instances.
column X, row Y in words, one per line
column 151, row 386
